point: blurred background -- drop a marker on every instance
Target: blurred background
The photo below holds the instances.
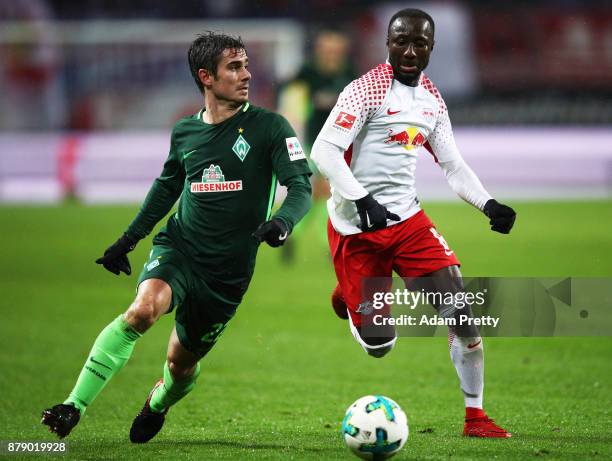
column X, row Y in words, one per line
column 90, row 90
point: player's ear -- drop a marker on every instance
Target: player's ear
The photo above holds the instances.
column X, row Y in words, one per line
column 205, row 77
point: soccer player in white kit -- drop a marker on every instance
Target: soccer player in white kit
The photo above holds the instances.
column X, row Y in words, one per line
column 368, row 150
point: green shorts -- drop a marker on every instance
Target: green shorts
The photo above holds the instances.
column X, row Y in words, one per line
column 202, row 309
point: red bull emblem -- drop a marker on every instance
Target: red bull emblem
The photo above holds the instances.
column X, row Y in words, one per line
column 410, row 138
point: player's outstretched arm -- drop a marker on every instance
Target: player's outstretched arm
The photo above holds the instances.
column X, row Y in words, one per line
column 158, row 203
column 463, row 180
column 466, row 185
column 295, row 206
column 162, row 196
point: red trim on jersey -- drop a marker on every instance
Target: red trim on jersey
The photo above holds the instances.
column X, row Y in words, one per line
column 427, row 146
column 429, row 86
column 365, row 95
column 348, row 155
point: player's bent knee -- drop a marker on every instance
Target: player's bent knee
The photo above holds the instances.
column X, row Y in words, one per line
column 139, row 318
column 141, row 315
column 152, row 301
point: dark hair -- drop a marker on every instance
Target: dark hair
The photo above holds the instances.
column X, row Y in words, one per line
column 412, row 13
column 206, row 51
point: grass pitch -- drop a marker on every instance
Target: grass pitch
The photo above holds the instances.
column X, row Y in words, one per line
column 278, row 382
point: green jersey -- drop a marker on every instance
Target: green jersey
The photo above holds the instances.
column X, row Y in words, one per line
column 226, row 177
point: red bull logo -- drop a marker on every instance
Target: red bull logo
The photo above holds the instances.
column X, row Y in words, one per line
column 410, row 138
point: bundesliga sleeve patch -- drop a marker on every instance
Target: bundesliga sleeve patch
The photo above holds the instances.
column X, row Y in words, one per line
column 345, row 120
column 295, row 149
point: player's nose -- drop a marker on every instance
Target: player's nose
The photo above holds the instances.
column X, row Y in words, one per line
column 409, row 51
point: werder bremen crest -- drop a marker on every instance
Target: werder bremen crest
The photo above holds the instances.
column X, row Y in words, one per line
column 241, row 147
column 213, row 180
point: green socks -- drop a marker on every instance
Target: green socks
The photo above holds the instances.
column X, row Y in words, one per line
column 171, row 391
column 111, row 350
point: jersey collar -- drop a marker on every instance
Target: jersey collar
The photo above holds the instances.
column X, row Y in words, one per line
column 245, row 107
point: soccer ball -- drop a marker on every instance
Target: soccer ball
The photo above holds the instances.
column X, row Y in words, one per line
column 375, row 427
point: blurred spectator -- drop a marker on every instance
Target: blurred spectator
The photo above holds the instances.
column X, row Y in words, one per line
column 307, row 101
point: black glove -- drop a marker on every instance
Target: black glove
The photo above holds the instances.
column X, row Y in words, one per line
column 372, row 214
column 115, row 259
column 273, row 232
column 501, row 216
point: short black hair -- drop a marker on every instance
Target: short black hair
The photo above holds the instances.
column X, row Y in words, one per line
column 206, row 51
column 412, row 13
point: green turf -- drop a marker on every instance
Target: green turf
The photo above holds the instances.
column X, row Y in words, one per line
column 281, row 377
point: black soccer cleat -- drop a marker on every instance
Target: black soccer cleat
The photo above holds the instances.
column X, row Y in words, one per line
column 61, row 418
column 147, row 423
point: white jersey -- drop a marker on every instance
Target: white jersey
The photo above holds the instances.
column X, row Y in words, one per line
column 382, row 125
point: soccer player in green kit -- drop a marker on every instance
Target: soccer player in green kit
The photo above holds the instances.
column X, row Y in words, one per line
column 224, row 163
